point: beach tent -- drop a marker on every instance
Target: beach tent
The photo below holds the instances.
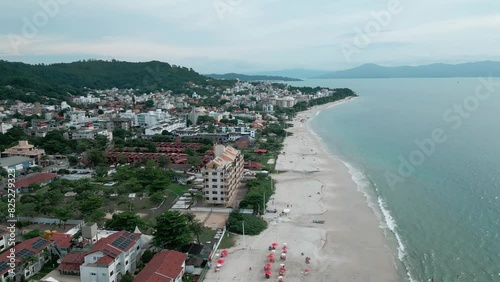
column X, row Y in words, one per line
column 286, row 211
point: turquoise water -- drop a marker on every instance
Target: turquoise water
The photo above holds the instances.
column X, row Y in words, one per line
column 445, row 202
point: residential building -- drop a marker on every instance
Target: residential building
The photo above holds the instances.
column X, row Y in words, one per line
column 223, row 176
column 87, row 100
column 88, row 134
column 25, row 150
column 4, row 127
column 38, row 250
column 17, row 163
column 122, row 123
column 167, row 265
column 169, row 126
column 4, row 239
column 111, row 257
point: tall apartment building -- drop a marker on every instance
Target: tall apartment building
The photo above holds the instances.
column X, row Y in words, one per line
column 223, row 176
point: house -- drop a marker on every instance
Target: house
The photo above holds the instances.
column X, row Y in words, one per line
column 39, row 178
column 17, row 163
column 24, row 149
column 63, row 242
column 4, row 238
column 252, row 165
column 167, row 265
column 70, row 264
column 34, row 252
column 111, row 257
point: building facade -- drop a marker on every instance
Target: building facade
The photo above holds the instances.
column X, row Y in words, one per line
column 223, row 176
column 25, row 149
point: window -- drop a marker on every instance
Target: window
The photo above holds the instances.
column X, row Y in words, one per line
column 138, row 247
column 222, row 192
column 206, row 173
column 111, row 273
column 126, row 263
column 214, row 173
column 92, row 273
column 207, row 192
column 214, row 186
column 222, row 199
column 214, row 192
column 222, row 187
column 214, row 198
column 214, row 179
column 206, row 186
column 207, row 198
column 206, row 179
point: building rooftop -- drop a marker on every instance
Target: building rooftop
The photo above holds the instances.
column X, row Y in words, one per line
column 165, row 264
column 11, row 161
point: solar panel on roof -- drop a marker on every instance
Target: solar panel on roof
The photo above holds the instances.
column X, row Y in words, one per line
column 3, row 266
column 24, row 253
column 39, row 243
column 108, row 252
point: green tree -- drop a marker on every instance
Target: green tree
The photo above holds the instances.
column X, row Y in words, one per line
column 126, row 221
column 88, row 202
column 32, row 234
column 149, row 104
column 163, row 161
column 195, row 225
column 172, row 230
column 96, row 216
column 64, row 214
column 127, row 277
column 101, row 170
column 157, row 197
column 72, row 160
column 95, row 157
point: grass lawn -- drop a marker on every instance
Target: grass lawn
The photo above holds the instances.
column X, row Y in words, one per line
column 228, row 242
column 207, row 235
column 178, row 188
column 47, row 268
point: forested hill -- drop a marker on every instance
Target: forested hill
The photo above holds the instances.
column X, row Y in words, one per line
column 60, row 80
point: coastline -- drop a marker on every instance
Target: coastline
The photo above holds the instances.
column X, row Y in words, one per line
column 314, row 185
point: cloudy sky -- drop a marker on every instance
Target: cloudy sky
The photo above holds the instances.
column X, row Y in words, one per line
column 252, row 35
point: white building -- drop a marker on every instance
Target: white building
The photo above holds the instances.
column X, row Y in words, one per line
column 169, row 125
column 4, row 127
column 223, row 176
column 111, row 258
column 87, row 100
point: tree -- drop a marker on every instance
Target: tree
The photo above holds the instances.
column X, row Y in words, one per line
column 95, row 157
column 172, row 230
column 101, row 170
column 72, row 160
column 157, row 197
column 194, row 160
column 149, row 104
column 195, row 225
column 64, row 214
column 88, row 202
column 32, row 234
column 96, row 216
column 163, row 161
column 126, row 221
column 127, row 278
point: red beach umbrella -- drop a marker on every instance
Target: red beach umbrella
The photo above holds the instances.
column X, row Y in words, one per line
column 270, row 255
column 307, row 270
column 268, row 265
column 221, row 261
column 268, row 272
column 274, row 244
column 224, row 252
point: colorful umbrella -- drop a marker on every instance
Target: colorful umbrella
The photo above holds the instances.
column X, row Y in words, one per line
column 268, row 265
column 271, row 255
column 224, row 252
column 307, row 270
column 221, row 261
column 268, row 272
column 274, row 244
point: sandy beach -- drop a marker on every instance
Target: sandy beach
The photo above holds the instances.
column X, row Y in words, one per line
column 349, row 246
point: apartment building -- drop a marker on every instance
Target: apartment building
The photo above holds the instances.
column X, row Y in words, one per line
column 223, row 176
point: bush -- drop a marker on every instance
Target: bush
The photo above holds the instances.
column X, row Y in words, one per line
column 253, row 225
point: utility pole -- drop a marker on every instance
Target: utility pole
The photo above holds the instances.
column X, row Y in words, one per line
column 264, row 201
column 244, row 240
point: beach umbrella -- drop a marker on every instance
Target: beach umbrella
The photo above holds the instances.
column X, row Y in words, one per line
column 282, row 265
column 271, row 255
column 221, row 261
column 268, row 265
column 224, row 252
column 306, row 270
column 274, row 244
column 284, row 247
column 219, row 265
column 268, row 272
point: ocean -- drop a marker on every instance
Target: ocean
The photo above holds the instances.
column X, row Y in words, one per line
column 426, row 153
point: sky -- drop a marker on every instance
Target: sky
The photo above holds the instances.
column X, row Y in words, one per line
column 246, row 36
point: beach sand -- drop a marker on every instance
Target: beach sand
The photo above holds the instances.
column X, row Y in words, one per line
column 349, row 246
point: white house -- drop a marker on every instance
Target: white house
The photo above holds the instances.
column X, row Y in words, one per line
column 111, row 257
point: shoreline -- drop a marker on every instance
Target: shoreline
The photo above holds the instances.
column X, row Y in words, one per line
column 349, row 246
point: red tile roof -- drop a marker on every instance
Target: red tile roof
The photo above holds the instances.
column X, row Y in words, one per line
column 41, row 177
column 106, row 244
column 62, row 240
column 30, row 247
column 105, row 260
column 164, row 264
column 260, row 151
column 72, row 262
